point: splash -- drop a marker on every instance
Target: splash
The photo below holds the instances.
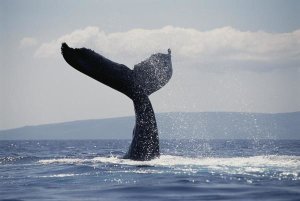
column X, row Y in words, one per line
column 276, row 166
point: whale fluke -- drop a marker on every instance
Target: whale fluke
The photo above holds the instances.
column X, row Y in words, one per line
column 112, row 74
column 145, row 78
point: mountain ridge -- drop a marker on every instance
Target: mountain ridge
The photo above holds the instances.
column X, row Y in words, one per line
column 202, row 125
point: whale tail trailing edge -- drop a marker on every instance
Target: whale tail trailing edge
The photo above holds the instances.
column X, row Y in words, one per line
column 145, row 78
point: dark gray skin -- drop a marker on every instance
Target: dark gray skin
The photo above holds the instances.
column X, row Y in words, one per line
column 146, row 78
column 145, row 142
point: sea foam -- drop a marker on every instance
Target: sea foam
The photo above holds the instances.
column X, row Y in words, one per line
column 283, row 165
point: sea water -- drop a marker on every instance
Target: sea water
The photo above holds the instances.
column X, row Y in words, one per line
column 186, row 170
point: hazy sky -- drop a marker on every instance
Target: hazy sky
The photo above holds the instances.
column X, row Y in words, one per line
column 239, row 56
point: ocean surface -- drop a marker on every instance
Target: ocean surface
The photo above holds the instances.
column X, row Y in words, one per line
column 186, row 170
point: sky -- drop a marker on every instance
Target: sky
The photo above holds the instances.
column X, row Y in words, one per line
column 231, row 55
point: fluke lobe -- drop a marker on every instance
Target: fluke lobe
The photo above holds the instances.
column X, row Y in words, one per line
column 145, row 78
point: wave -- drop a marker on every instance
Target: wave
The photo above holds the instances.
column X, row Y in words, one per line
column 283, row 164
column 60, row 175
column 169, row 160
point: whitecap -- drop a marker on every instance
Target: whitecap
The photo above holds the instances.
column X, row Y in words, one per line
column 58, row 175
column 254, row 165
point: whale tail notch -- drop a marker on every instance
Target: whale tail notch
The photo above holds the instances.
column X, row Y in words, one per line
column 146, row 77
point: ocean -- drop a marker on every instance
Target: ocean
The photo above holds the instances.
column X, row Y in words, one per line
column 187, row 170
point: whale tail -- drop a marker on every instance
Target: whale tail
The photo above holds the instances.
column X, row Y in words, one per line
column 145, row 78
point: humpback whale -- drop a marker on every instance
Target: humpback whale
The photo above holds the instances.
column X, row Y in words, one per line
column 146, row 77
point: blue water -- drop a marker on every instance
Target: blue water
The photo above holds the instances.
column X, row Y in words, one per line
column 187, row 170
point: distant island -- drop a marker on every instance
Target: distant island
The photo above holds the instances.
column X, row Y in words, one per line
column 175, row 125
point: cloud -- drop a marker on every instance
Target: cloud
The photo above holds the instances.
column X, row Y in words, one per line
column 226, row 46
column 28, row 42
